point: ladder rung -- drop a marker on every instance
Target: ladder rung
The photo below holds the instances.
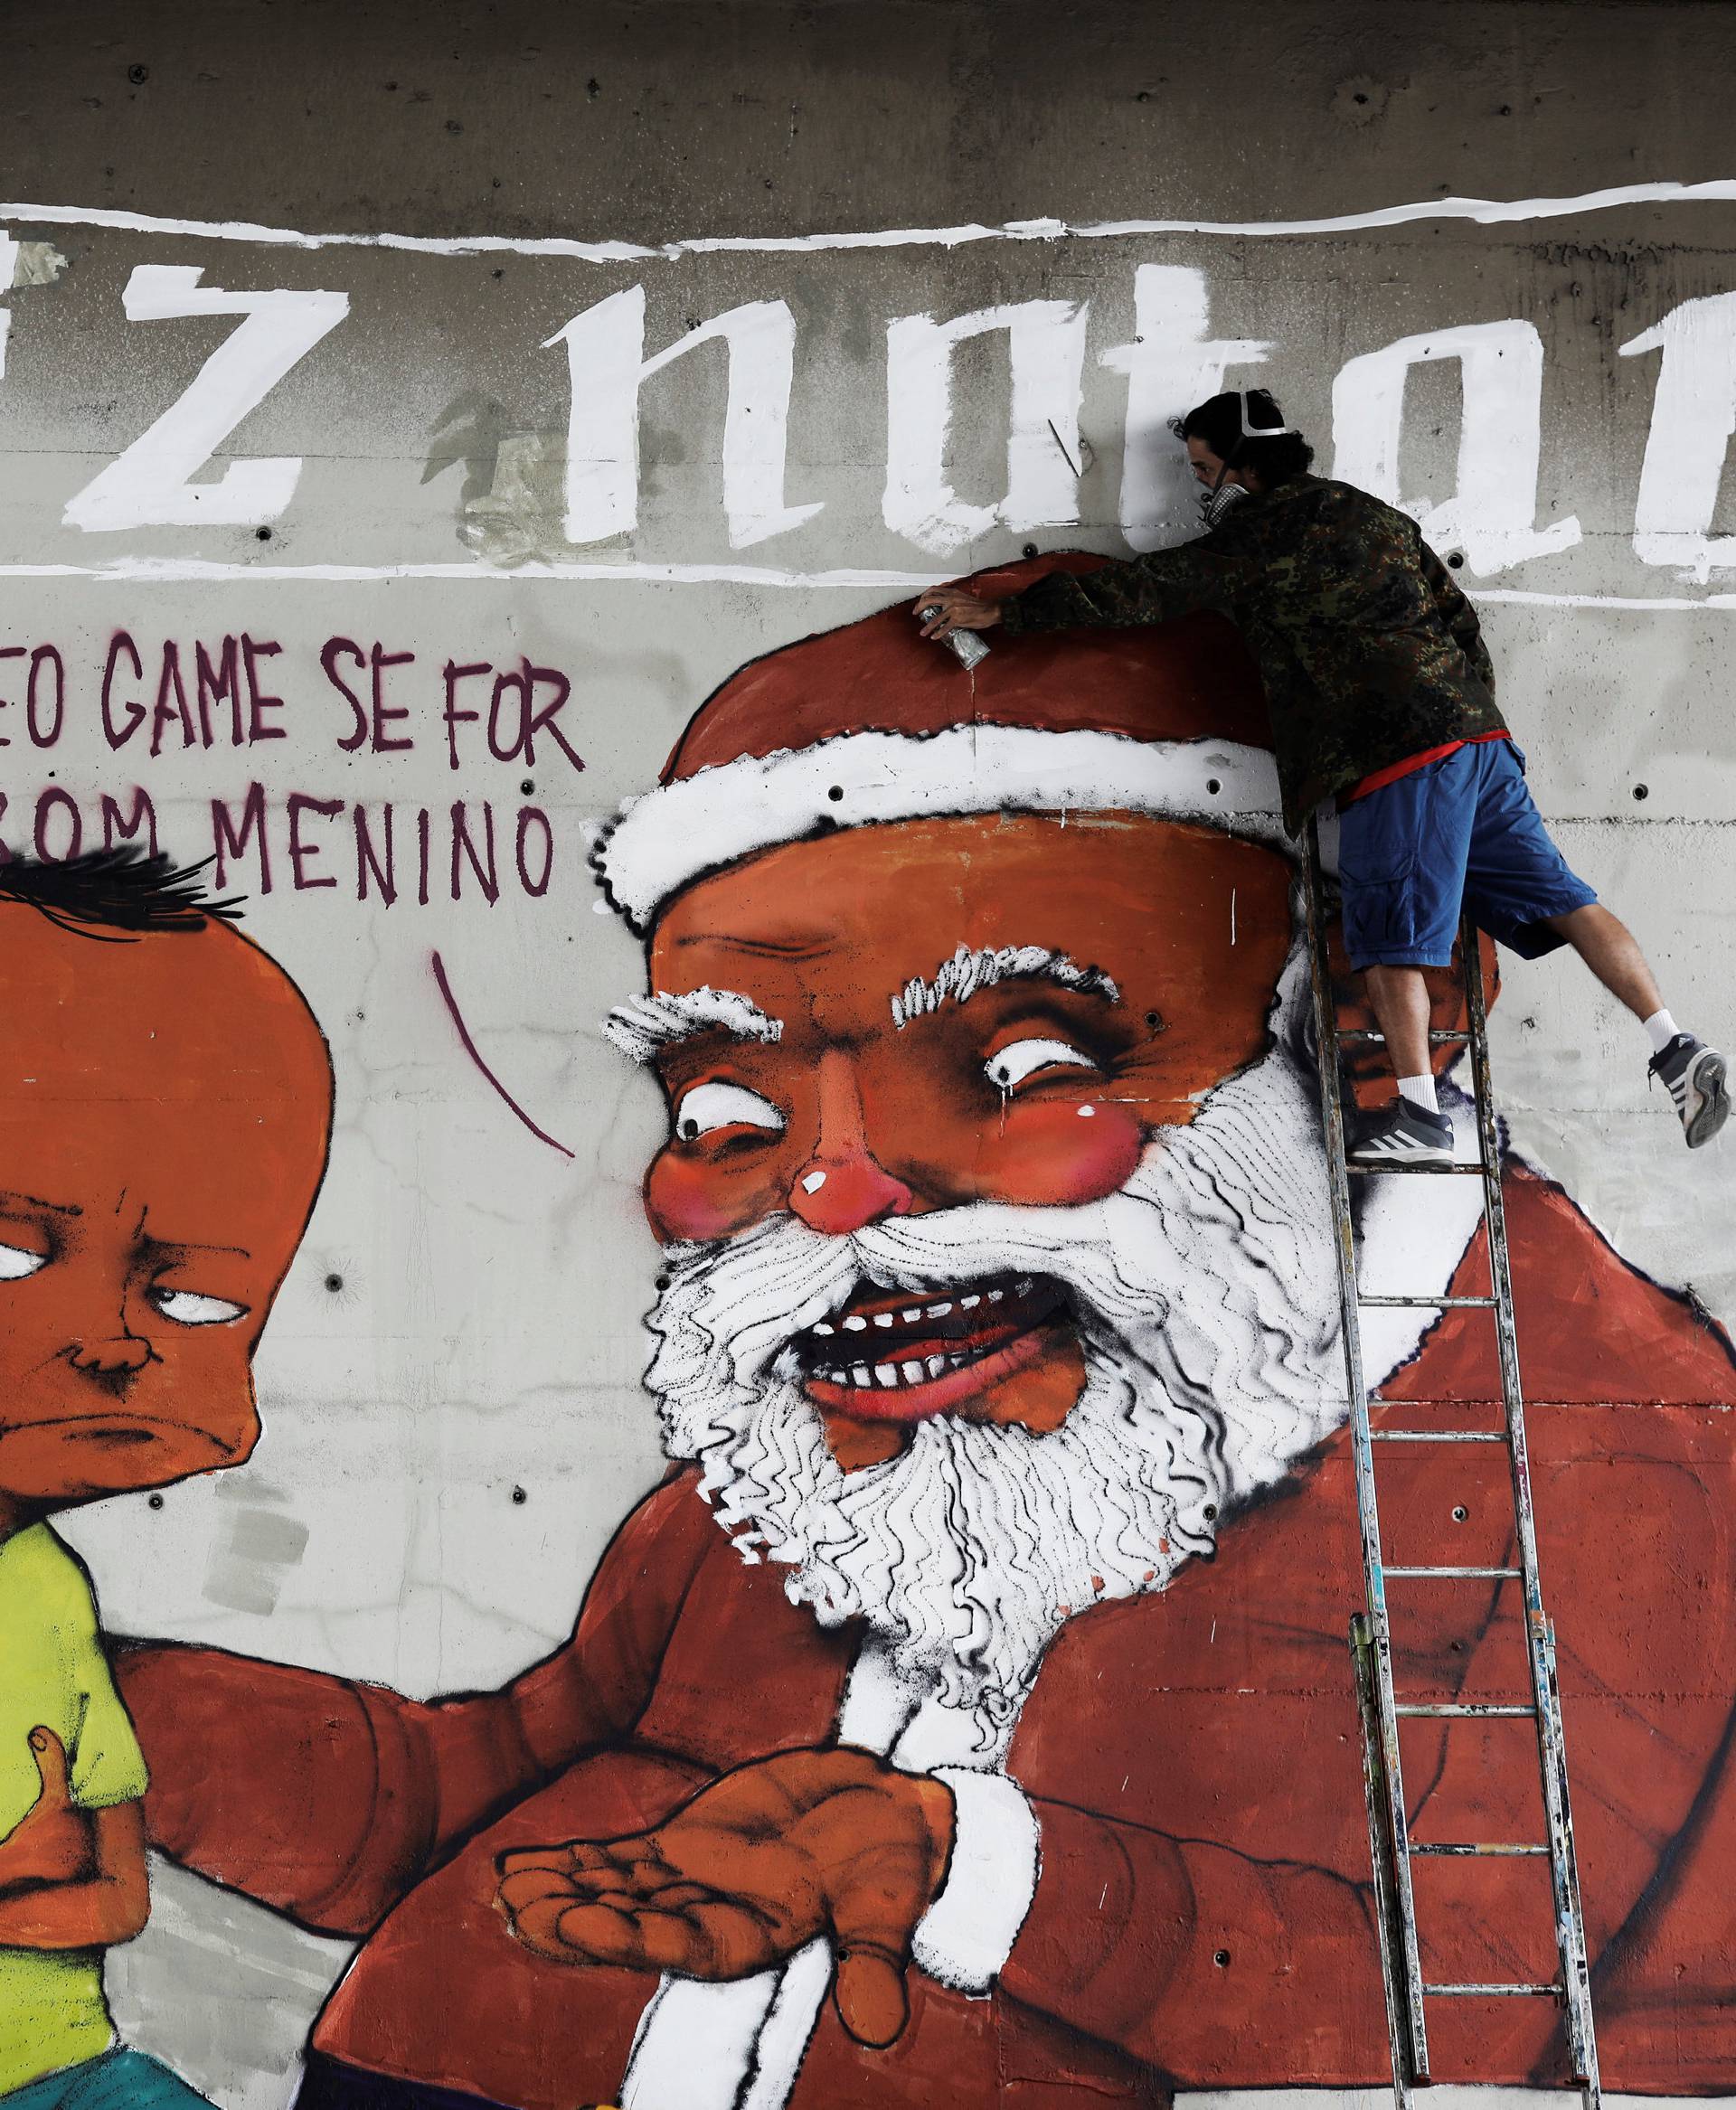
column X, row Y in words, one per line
column 1409, row 1172
column 1454, row 1571
column 1437, row 1435
column 1481, row 1304
column 1459, row 1709
column 1479, row 1848
column 1445, row 1991
column 1438, row 1038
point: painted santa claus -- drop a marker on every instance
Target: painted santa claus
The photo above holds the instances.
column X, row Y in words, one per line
column 967, row 1718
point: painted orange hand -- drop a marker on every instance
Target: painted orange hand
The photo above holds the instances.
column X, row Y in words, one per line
column 831, row 1842
column 52, row 1841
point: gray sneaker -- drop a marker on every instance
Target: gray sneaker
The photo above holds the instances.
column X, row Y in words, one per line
column 1694, row 1074
column 1403, row 1133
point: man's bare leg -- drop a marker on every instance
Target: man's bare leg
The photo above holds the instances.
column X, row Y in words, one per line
column 1611, row 951
column 1693, row 1073
column 1412, row 1130
column 1400, row 997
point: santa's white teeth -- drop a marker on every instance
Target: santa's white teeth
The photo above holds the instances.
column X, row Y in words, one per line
column 820, row 1326
column 892, row 1377
column 968, row 1303
column 939, row 1311
column 994, row 1296
column 912, row 1317
column 855, row 1325
column 883, row 1318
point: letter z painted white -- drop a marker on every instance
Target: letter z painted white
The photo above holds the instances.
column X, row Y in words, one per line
column 148, row 485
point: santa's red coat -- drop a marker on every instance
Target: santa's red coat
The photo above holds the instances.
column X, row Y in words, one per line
column 1203, row 1916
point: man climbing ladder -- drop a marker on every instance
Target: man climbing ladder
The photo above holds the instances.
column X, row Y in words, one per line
column 1383, row 697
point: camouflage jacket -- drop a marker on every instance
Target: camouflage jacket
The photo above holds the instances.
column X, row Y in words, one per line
column 1367, row 649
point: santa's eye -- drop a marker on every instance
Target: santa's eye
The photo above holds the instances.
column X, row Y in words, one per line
column 710, row 1106
column 1008, row 1067
column 18, row 1261
column 188, row 1308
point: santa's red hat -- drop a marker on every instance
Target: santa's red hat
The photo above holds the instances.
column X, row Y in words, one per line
column 873, row 722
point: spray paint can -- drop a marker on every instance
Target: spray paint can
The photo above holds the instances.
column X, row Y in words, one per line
column 966, row 646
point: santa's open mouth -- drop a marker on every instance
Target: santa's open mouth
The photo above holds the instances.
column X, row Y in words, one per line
column 904, row 1355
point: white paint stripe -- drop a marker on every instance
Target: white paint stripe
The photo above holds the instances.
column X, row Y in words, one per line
column 1484, row 212
column 148, row 570
column 154, row 570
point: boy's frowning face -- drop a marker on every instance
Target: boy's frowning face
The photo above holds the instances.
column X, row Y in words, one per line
column 164, row 1108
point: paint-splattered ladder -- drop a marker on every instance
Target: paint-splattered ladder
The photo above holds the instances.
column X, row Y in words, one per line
column 1390, row 1844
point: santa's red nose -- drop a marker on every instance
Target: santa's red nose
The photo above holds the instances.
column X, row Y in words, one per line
column 840, row 1196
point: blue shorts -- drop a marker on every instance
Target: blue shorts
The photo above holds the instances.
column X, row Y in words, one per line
column 1461, row 834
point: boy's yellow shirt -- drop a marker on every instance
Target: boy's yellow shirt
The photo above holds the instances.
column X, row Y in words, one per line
column 53, row 1672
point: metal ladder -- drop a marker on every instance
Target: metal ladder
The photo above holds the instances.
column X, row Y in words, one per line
column 1371, row 1641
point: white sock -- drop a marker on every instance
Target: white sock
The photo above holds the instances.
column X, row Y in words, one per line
column 1661, row 1029
column 1420, row 1091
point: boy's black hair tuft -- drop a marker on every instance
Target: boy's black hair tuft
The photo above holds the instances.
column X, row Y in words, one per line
column 114, row 896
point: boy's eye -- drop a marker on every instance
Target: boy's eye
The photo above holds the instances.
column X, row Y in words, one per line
column 1007, row 1069
column 710, row 1106
column 187, row 1307
column 18, row 1261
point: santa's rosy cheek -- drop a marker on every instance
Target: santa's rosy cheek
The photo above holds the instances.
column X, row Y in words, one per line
column 688, row 1198
column 1055, row 1153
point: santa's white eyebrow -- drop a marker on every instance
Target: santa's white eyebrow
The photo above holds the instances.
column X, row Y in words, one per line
column 645, row 1025
column 958, row 979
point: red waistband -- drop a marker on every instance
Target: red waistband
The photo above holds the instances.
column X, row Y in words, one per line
column 1411, row 764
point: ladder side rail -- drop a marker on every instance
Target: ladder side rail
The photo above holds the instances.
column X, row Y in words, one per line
column 1387, row 1921
column 1569, row 1919
column 1367, row 1507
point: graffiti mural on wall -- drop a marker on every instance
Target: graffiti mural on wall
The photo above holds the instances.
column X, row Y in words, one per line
column 164, row 1107
column 966, row 1717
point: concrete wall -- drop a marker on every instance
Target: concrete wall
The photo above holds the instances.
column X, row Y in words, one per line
column 455, row 1422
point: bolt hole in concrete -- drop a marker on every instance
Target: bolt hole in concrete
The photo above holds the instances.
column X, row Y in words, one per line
column 1029, row 549
column 525, row 789
column 1221, row 1957
column 1642, row 791
column 519, row 1495
column 155, row 1501
column 1457, row 559
column 333, row 1283
column 835, row 791
column 1154, row 1019
column 138, row 75
column 262, row 534
column 1212, row 786
column 1460, row 1513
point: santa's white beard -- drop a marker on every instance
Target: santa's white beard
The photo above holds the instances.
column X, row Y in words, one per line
column 1204, row 1298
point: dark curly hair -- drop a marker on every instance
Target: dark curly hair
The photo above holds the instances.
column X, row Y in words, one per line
column 113, row 896
column 1219, row 422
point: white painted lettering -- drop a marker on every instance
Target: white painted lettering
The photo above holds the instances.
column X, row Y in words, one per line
column 1171, row 365
column 148, row 485
column 605, row 366
column 1491, row 514
column 1046, row 347
column 1694, row 413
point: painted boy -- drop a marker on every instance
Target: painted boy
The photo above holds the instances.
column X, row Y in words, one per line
column 164, row 1110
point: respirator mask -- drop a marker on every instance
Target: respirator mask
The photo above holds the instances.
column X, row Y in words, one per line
column 1216, row 503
